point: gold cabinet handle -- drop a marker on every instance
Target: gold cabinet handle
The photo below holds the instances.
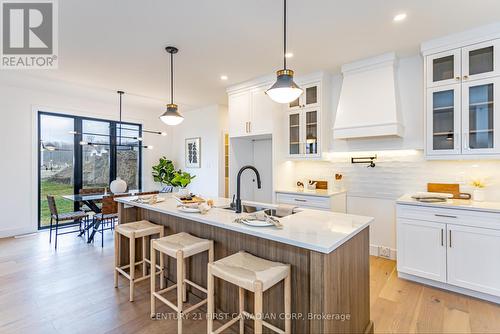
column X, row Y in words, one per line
column 466, row 77
column 457, row 78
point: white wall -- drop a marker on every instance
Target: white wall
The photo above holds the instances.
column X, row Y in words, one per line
column 401, row 167
column 209, row 123
column 20, row 96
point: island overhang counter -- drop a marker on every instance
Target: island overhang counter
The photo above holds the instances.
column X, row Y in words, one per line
column 328, row 253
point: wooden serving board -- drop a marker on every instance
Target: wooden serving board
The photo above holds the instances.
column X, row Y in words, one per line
column 321, row 184
column 193, row 200
column 449, row 188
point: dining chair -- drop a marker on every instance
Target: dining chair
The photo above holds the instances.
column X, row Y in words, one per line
column 108, row 215
column 90, row 191
column 76, row 216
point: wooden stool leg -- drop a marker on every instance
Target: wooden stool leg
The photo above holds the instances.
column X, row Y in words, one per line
column 210, row 300
column 144, row 268
column 132, row 266
column 117, row 256
column 184, row 285
column 242, row 309
column 153, row 279
column 258, row 307
column 180, row 284
column 288, row 303
column 162, row 264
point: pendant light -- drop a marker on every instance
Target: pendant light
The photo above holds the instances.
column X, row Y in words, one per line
column 172, row 116
column 284, row 90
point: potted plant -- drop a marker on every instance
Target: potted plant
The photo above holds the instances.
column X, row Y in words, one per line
column 163, row 173
column 478, row 192
column 182, row 180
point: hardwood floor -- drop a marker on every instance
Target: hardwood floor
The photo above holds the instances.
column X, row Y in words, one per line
column 71, row 291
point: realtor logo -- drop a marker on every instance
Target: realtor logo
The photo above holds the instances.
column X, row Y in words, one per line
column 29, row 34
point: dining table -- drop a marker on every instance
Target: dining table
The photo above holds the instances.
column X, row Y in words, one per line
column 91, row 201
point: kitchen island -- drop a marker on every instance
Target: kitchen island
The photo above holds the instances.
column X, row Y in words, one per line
column 328, row 253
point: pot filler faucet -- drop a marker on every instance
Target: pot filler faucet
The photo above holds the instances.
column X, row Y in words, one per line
column 238, row 185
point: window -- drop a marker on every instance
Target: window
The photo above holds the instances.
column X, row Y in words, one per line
column 66, row 166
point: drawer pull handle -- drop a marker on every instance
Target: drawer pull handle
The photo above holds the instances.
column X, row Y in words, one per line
column 445, row 216
column 300, row 200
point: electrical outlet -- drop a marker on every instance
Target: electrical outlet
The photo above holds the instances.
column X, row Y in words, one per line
column 384, row 251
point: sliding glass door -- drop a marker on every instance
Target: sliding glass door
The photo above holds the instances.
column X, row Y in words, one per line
column 77, row 152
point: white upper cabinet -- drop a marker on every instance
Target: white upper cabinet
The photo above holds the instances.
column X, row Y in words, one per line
column 462, row 116
column 251, row 111
column 239, row 106
column 443, row 120
column 309, row 117
column 480, row 117
column 310, row 97
column 481, row 60
column 444, row 68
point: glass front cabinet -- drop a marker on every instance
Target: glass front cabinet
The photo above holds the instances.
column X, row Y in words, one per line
column 462, row 94
column 303, row 134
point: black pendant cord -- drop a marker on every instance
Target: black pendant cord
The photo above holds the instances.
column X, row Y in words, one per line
column 171, row 78
column 284, row 34
column 120, row 123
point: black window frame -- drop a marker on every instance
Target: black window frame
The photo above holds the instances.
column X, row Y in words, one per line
column 78, row 153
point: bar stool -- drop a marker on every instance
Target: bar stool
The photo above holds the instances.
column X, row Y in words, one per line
column 179, row 246
column 140, row 229
column 254, row 274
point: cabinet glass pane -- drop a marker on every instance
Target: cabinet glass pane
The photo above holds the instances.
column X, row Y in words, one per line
column 311, row 132
column 311, row 95
column 442, row 68
column 294, row 103
column 481, row 60
column 294, row 140
column 443, row 136
column 481, row 116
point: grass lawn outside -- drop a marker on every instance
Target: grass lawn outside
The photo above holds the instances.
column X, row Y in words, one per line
column 57, row 190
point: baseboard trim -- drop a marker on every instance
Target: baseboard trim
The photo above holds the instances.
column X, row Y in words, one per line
column 446, row 286
column 374, row 251
column 7, row 233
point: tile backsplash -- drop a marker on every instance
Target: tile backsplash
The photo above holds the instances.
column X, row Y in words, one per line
column 397, row 173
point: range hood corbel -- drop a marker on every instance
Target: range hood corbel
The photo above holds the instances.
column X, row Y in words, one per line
column 368, row 105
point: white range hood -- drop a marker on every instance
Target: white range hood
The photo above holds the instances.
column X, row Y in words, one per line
column 368, row 105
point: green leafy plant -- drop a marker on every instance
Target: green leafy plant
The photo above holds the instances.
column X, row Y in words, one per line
column 182, row 179
column 164, row 172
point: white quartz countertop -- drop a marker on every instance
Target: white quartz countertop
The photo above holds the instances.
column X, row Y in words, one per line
column 461, row 204
column 316, row 230
column 306, row 192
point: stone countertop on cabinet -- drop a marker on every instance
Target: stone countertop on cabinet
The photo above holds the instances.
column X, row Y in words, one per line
column 316, row 230
column 460, row 204
column 306, row 192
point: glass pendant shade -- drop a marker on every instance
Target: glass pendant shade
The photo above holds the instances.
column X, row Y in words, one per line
column 284, row 90
column 172, row 116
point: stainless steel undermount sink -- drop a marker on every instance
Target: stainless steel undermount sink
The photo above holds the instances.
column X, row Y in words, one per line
column 252, row 208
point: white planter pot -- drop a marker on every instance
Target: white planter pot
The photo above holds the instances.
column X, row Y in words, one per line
column 478, row 195
column 118, row 186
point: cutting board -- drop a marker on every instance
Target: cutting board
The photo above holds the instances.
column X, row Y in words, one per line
column 449, row 188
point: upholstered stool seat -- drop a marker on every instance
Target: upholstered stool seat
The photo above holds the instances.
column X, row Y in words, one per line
column 140, row 229
column 254, row 274
column 179, row 246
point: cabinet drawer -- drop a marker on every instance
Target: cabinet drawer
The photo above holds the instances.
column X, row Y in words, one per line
column 450, row 216
column 304, row 201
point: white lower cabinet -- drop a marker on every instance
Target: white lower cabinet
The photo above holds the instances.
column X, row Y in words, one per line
column 450, row 247
column 422, row 249
column 474, row 258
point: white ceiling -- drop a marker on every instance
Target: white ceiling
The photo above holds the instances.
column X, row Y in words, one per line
column 120, row 43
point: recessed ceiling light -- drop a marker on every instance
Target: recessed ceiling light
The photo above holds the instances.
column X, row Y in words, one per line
column 224, row 77
column 399, row 17
column 289, row 55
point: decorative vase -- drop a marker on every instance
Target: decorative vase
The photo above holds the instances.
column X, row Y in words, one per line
column 118, row 186
column 183, row 192
column 478, row 195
